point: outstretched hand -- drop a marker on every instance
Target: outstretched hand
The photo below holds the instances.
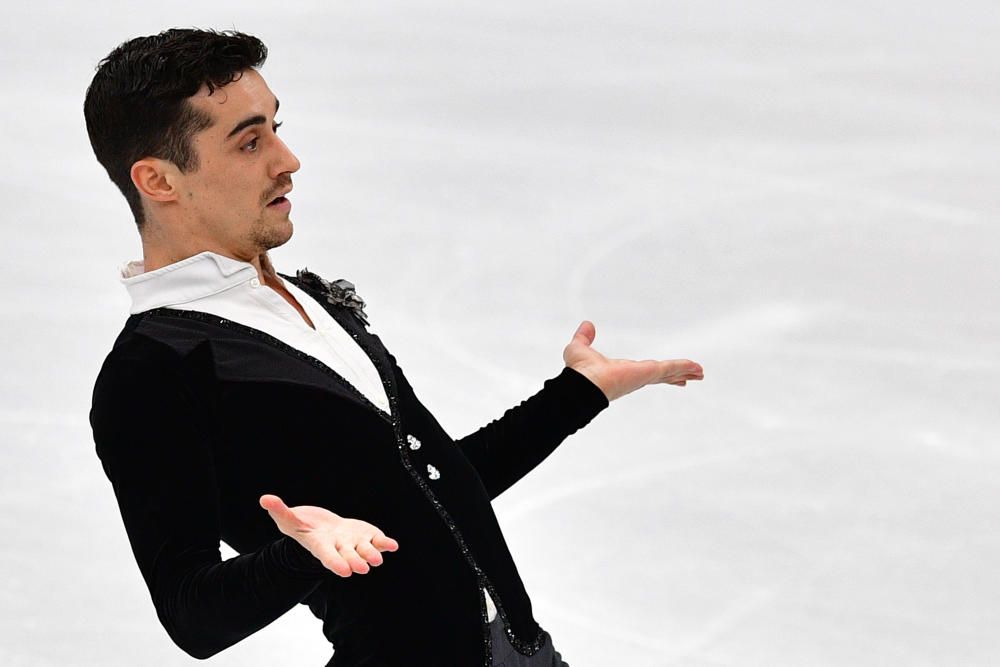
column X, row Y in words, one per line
column 617, row 377
column 342, row 545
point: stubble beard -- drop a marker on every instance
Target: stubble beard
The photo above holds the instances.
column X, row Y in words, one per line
column 270, row 234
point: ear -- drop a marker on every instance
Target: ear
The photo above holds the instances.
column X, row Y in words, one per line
column 156, row 179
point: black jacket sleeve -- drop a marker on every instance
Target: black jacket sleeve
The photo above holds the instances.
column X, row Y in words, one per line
column 508, row 448
column 154, row 446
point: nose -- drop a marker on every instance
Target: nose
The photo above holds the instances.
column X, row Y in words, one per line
column 285, row 160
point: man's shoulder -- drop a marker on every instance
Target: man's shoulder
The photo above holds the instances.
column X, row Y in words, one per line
column 146, row 379
column 152, row 341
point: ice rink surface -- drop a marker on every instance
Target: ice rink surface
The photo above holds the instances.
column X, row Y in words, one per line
column 800, row 196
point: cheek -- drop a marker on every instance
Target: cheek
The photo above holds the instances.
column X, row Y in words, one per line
column 232, row 187
column 228, row 184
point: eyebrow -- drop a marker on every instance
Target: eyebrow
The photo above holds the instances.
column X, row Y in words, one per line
column 252, row 120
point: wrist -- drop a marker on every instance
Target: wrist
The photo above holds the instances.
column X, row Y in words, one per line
column 591, row 375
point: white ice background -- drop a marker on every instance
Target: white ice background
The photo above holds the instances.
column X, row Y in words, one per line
column 801, row 196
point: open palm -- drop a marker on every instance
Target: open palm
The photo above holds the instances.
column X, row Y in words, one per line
column 342, row 545
column 617, row 377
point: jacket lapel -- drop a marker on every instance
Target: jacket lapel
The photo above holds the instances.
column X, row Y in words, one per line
column 235, row 343
column 367, row 341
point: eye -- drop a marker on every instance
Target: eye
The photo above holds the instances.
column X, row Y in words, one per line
column 253, row 142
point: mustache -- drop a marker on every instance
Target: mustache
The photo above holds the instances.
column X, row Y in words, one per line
column 283, row 185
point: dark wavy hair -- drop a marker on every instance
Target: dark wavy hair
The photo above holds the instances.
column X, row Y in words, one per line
column 137, row 106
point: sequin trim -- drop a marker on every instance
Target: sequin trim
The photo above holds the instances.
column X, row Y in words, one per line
column 527, row 648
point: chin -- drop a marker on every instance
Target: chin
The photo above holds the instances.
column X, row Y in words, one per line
column 288, row 230
column 274, row 235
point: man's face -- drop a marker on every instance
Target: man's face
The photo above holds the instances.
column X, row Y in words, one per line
column 243, row 167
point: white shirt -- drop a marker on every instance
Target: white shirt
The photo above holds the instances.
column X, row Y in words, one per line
column 230, row 288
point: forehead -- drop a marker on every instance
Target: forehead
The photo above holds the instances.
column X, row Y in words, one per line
column 248, row 95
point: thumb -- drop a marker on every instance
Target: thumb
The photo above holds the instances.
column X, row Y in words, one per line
column 269, row 501
column 585, row 333
column 278, row 510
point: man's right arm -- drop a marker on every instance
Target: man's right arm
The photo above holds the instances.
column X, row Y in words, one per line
column 153, row 444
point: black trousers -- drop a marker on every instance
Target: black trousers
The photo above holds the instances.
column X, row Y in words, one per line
column 505, row 655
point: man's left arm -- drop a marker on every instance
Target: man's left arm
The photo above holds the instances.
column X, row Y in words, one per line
column 508, row 448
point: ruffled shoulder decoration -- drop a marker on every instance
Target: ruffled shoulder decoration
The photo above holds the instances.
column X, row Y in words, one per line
column 339, row 292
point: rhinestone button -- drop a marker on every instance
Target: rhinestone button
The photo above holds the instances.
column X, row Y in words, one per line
column 432, row 472
column 414, row 443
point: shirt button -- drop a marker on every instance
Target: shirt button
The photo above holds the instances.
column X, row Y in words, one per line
column 432, row 472
column 254, row 282
column 414, row 443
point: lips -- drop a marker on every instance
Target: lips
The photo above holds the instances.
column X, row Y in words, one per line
column 280, row 199
column 280, row 204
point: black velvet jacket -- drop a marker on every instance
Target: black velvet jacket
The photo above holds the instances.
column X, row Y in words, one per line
column 195, row 417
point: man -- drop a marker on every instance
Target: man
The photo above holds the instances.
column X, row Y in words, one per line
column 233, row 388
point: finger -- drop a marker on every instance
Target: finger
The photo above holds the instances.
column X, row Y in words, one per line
column 279, row 511
column 269, row 500
column 671, row 371
column 585, row 333
column 684, row 367
column 356, row 562
column 689, row 366
column 369, row 553
column 334, row 562
column 383, row 543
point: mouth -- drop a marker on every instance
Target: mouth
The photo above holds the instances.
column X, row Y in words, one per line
column 280, row 200
column 280, row 204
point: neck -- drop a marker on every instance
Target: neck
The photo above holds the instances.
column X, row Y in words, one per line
column 154, row 257
column 266, row 271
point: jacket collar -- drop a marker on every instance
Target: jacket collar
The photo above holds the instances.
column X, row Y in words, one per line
column 209, row 273
column 189, row 279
